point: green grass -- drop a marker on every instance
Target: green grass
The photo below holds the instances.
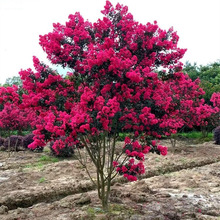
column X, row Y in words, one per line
column 196, row 135
column 93, row 211
column 189, row 135
column 42, row 180
column 15, row 132
column 48, row 159
column 43, row 160
column 38, row 165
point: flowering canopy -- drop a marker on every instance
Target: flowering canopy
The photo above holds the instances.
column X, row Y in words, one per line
column 114, row 86
column 189, row 108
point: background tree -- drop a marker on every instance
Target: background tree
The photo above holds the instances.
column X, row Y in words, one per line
column 12, row 116
column 15, row 80
column 192, row 70
column 209, row 76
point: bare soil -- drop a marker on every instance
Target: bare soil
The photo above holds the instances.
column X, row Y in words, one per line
column 185, row 184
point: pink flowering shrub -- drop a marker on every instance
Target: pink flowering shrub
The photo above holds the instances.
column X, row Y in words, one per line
column 60, row 148
column 113, row 87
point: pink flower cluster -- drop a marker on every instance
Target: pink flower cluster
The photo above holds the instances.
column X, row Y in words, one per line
column 131, row 170
column 215, row 99
column 134, row 149
column 9, row 95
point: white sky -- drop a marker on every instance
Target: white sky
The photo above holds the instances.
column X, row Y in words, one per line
column 197, row 23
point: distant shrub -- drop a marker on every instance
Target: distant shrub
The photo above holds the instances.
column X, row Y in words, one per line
column 2, row 140
column 217, row 135
column 13, row 143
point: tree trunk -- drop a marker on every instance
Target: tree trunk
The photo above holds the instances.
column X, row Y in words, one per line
column 9, row 144
column 104, row 190
column 102, row 155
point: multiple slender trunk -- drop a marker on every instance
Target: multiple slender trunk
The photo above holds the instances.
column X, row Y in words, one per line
column 101, row 150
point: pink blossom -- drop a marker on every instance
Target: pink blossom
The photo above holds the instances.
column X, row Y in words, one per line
column 127, row 140
column 162, row 149
column 115, row 163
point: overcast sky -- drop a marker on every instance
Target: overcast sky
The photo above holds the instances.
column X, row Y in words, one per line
column 197, row 23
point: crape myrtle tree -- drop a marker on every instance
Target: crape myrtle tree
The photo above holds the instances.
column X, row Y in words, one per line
column 113, row 87
column 9, row 117
column 8, row 98
column 189, row 107
column 13, row 116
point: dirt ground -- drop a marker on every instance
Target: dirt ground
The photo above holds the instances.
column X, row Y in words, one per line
column 185, row 184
